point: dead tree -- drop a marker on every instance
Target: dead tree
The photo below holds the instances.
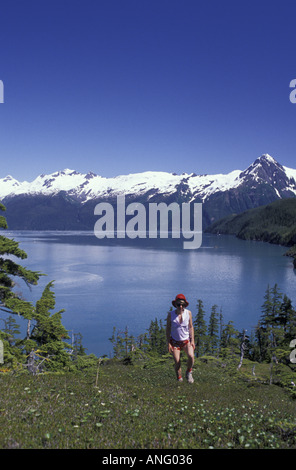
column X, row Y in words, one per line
column 33, row 366
column 242, row 349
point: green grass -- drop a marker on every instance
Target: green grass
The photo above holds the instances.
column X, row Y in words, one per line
column 135, row 407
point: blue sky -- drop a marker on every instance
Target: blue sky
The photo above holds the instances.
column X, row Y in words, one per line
column 124, row 86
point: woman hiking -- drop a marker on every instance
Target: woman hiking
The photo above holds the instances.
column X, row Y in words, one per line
column 180, row 336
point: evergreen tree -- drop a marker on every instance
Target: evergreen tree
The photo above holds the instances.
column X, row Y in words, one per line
column 277, row 326
column 221, row 325
column 48, row 333
column 271, row 322
column 11, row 329
column 200, row 329
column 287, row 323
column 11, row 274
column 271, row 307
column 157, row 337
column 142, row 341
column 253, row 351
column 287, row 319
column 127, row 342
column 213, row 331
column 78, row 349
column 115, row 340
column 10, row 301
column 123, row 343
column 229, row 340
column 162, row 344
column 12, row 352
column 261, row 335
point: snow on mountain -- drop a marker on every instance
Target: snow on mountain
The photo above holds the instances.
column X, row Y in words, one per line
column 205, row 185
column 90, row 186
column 264, row 166
column 8, row 185
column 290, row 173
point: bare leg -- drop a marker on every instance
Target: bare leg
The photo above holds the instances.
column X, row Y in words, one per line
column 176, row 356
column 190, row 354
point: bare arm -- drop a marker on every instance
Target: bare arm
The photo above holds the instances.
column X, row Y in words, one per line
column 191, row 330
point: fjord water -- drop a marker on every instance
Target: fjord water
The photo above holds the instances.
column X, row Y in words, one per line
column 102, row 284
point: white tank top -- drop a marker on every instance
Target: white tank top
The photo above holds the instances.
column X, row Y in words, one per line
column 180, row 331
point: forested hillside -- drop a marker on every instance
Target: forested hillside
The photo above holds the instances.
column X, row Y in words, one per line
column 273, row 223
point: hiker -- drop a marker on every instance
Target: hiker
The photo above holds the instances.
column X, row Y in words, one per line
column 180, row 336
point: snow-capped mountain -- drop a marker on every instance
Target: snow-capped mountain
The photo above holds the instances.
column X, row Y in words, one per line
column 75, row 194
column 89, row 186
column 267, row 169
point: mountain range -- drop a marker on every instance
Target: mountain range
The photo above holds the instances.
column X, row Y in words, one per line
column 65, row 200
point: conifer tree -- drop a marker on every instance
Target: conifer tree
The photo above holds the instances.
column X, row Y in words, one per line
column 200, row 329
column 11, row 329
column 287, row 319
column 270, row 321
column 286, row 329
column 157, row 338
column 127, row 341
column 253, row 351
column 221, row 325
column 12, row 352
column 115, row 341
column 142, row 341
column 48, row 332
column 229, row 340
column 78, row 349
column 262, row 341
column 122, row 342
column 213, row 331
column 272, row 306
column 10, row 301
column 277, row 326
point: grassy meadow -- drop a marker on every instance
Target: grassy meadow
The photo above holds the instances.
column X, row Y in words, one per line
column 140, row 406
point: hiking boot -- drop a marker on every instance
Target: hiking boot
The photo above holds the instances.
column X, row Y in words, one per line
column 189, row 377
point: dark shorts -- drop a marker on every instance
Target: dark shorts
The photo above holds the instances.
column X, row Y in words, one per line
column 178, row 344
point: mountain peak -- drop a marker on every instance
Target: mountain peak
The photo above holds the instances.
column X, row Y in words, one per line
column 266, row 158
column 264, row 167
column 266, row 170
column 268, row 161
column 9, row 178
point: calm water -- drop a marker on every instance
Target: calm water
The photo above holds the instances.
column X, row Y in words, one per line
column 101, row 286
